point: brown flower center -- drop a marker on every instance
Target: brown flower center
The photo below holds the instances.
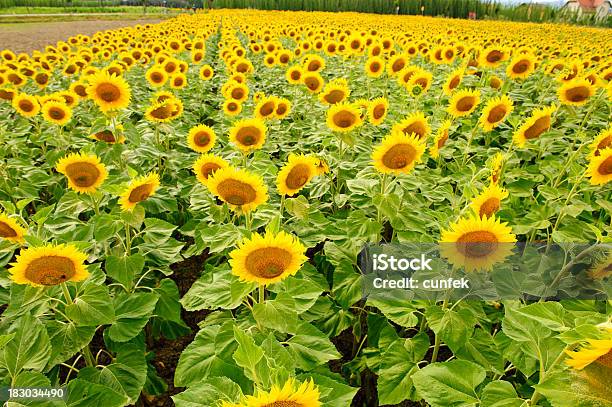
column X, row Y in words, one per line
column 298, row 176
column 201, row 139
column 494, row 56
column 237, row 93
column 50, row 270
column 454, row 82
column 442, row 139
column 417, row 128
column 236, row 192
column 577, row 94
column 375, row 67
column 521, row 66
column 162, row 112
column 6, row 230
column 606, row 359
column 314, row 66
column 537, row 128
column 83, row 174
column 344, row 119
column 496, row 114
column 465, row 104
column 296, row 75
column 605, row 143
column 267, row 109
column 248, row 135
column 489, row 207
column 605, row 168
column 335, row 96
column 398, row 65
column 312, row 83
column 157, row 77
column 477, row 244
column 399, row 156
column 378, row 111
column 140, row 193
column 108, row 92
column 208, row 169
column 26, row 106
column 57, row 113
column 270, row 262
column 105, row 135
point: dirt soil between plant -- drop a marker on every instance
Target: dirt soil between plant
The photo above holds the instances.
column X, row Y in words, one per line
column 27, row 37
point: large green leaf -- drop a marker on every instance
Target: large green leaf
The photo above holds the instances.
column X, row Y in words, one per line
column 81, row 393
column 247, row 354
column 311, row 347
column 501, row 394
column 67, row 339
column 217, row 288
column 397, row 308
column 30, row 348
column 126, row 375
column 449, row 384
column 589, row 387
column 125, row 268
column 132, row 312
column 278, row 314
column 91, row 307
column 208, row 393
column 454, row 328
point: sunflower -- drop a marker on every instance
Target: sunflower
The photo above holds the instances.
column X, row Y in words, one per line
column 294, row 175
column 453, row 81
column 497, row 164
column 521, row 66
column 377, row 110
column 56, row 112
column 464, row 102
column 294, row 75
column 238, row 92
column 156, row 76
column 313, row 63
column 85, row 172
column 397, row 64
column 292, row 394
column 600, row 167
column 313, row 81
column 283, row 108
column 206, row 165
column 602, row 141
column 477, row 243
column 398, row 153
column 10, row 229
column 495, row 82
column 201, row 138
column 535, row 126
column 596, row 351
column 248, row 134
column 492, row 57
column 178, row 81
column 49, row 265
column 576, row 92
column 161, row 112
column 343, row 117
column 108, row 136
column 489, row 201
column 440, row 139
column 266, row 260
column 232, row 108
column 242, row 190
column 419, row 82
column 138, row 190
column 322, row 167
column 335, row 92
column 266, row 108
column 109, row 92
column 416, row 124
column 26, row 105
column 375, row 67
column 495, row 111
column 206, row 72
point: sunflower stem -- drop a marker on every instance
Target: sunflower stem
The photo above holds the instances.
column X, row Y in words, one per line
column 282, row 206
column 95, row 205
column 66, row 293
column 128, row 239
column 89, row 359
column 535, row 397
column 467, row 146
column 262, row 293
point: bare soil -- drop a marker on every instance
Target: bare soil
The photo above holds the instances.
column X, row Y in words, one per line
column 27, row 37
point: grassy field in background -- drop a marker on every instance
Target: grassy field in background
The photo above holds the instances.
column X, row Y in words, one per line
column 78, row 10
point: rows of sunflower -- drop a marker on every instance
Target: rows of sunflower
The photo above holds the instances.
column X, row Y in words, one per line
column 271, row 147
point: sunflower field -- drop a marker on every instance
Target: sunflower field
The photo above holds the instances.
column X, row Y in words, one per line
column 184, row 204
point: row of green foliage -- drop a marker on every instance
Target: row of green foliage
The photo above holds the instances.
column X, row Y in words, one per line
column 448, row 8
column 96, row 5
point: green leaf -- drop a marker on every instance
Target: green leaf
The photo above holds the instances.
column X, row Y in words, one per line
column 209, row 392
column 81, row 393
column 132, row 312
column 398, row 363
column 501, row 394
column 135, row 217
column 92, row 307
column 347, row 288
column 216, row 288
column 124, row 269
column 334, row 391
column 168, row 306
column 589, row 387
column 126, row 375
column 247, row 354
column 449, row 384
column 278, row 314
column 454, row 328
column 397, row 309
column 30, row 348
column 67, row 339
column 311, row 347
column 209, row 355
